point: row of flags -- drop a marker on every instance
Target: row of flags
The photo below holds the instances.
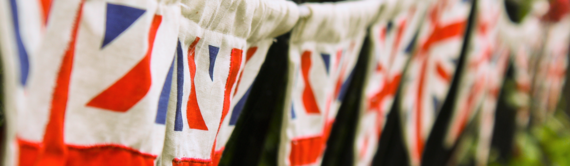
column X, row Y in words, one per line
column 152, row 82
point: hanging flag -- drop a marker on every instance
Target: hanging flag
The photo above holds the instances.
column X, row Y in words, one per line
column 221, row 46
column 430, row 74
column 23, row 24
column 323, row 51
column 393, row 39
column 95, row 92
column 484, row 69
column 552, row 64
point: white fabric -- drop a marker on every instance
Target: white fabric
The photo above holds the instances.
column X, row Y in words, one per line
column 484, row 69
column 213, row 40
column 323, row 51
column 31, row 29
column 95, row 68
column 392, row 42
column 551, row 68
column 428, row 78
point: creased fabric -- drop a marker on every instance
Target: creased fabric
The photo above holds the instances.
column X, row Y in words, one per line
column 429, row 76
column 323, row 51
column 221, row 46
column 22, row 25
column 393, row 39
column 95, row 82
column 484, row 69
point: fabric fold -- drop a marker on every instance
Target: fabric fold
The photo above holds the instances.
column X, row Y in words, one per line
column 323, row 51
column 221, row 47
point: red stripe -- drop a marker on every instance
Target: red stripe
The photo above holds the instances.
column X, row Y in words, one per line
column 235, row 65
column 305, row 150
column 104, row 154
column 248, row 56
column 442, row 73
column 54, row 151
column 443, row 33
column 45, row 6
column 419, row 110
column 123, row 94
column 193, row 112
column 396, row 45
column 309, row 100
column 468, row 107
column 191, row 162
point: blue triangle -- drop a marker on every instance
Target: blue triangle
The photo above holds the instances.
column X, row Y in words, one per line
column 239, row 107
column 119, row 18
column 389, row 26
column 344, row 86
column 178, row 122
column 411, row 44
column 213, row 55
column 326, row 59
column 436, row 103
column 293, row 111
column 454, row 61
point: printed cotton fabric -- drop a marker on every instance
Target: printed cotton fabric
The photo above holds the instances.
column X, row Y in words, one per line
column 22, row 24
column 393, row 38
column 323, row 51
column 430, row 74
column 483, row 70
column 220, row 47
column 94, row 83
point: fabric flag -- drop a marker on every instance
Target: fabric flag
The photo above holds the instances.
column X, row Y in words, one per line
column 323, row 51
column 94, row 95
column 525, row 51
column 429, row 76
column 393, row 37
column 484, row 69
column 23, row 24
column 551, row 68
column 220, row 47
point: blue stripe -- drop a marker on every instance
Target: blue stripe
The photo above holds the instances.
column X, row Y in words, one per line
column 213, row 55
column 411, row 44
column 22, row 54
column 344, row 86
column 164, row 97
column 179, row 88
column 293, row 116
column 326, row 60
column 239, row 107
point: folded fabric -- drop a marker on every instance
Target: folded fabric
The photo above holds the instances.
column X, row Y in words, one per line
column 22, row 24
column 484, row 69
column 393, row 38
column 323, row 50
column 95, row 82
column 221, row 45
column 551, row 66
column 429, row 76
column 481, row 79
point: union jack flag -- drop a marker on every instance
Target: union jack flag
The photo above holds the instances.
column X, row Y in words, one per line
column 95, row 83
column 392, row 41
column 486, row 63
column 430, row 73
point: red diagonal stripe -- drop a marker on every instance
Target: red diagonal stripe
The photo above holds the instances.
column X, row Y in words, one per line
column 54, row 151
column 193, row 112
column 133, row 86
column 45, row 6
column 235, row 66
column 309, row 100
column 248, row 55
column 442, row 73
